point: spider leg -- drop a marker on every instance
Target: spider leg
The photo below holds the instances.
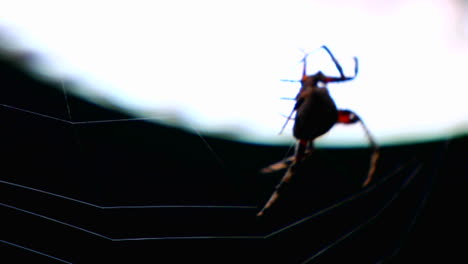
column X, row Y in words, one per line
column 340, row 69
column 285, row 163
column 300, row 155
column 338, row 66
column 280, row 165
column 349, row 117
column 287, row 120
column 279, row 188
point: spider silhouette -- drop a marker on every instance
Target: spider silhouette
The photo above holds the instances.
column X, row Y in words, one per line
column 316, row 114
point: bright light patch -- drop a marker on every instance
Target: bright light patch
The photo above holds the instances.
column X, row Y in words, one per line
column 218, row 64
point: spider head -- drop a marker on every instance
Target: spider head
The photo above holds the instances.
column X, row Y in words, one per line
column 316, row 80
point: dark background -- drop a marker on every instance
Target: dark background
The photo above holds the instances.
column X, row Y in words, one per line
column 69, row 187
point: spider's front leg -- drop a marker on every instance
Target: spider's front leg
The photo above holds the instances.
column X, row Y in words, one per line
column 303, row 150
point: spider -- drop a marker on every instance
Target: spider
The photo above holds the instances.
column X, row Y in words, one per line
column 316, row 113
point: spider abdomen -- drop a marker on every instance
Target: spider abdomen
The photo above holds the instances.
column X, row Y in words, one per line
column 315, row 116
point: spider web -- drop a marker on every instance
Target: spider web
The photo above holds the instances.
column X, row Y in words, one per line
column 83, row 184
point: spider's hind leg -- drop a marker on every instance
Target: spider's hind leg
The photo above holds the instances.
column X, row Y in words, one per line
column 303, row 150
column 279, row 188
column 285, row 163
column 280, row 165
column 349, row 117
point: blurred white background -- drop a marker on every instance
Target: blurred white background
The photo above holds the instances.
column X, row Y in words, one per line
column 216, row 66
